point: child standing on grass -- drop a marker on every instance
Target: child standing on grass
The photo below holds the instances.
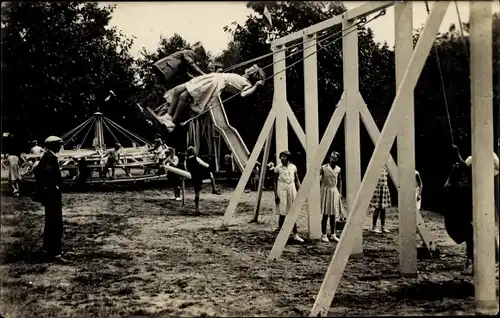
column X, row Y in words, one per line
column 380, row 202
column 173, row 161
column 14, row 172
column 254, row 181
column 195, row 167
column 285, row 190
column 331, row 198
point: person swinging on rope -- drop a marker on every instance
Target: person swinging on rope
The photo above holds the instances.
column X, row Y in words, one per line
column 169, row 69
column 458, row 215
column 203, row 91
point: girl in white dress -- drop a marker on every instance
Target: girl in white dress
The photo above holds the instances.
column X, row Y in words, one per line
column 285, row 190
column 331, row 198
column 203, row 91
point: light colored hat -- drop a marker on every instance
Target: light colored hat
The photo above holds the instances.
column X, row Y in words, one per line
column 53, row 139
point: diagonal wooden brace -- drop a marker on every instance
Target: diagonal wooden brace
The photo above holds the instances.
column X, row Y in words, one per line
column 240, row 188
column 292, row 119
column 379, row 158
column 308, row 181
column 374, row 133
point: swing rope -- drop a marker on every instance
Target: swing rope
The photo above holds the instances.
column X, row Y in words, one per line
column 363, row 20
column 462, row 32
column 443, row 89
column 381, row 13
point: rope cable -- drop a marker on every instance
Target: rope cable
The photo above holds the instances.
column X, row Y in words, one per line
column 126, row 133
column 325, row 35
column 111, row 132
column 85, row 137
column 317, row 43
column 73, row 136
column 462, row 32
column 443, row 89
column 286, row 68
column 363, row 20
column 139, row 138
column 121, row 132
column 76, row 128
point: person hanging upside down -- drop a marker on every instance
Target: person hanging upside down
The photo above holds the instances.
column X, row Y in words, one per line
column 203, row 91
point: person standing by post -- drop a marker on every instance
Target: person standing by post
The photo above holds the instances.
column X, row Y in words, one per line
column 49, row 182
column 173, row 161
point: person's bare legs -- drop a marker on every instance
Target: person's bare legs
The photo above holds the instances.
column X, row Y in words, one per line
column 177, row 92
column 214, row 187
column 182, row 106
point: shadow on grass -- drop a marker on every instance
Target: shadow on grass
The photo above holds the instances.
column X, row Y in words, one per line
column 429, row 290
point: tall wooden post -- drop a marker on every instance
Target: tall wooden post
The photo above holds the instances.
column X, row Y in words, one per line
column 482, row 160
column 403, row 21
column 279, row 101
column 312, row 130
column 351, row 121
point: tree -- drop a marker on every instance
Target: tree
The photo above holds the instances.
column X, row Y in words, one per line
column 253, row 38
column 166, row 46
column 59, row 61
column 377, row 83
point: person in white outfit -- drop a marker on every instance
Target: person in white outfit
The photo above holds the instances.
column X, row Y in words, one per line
column 331, row 198
column 36, row 150
column 285, row 190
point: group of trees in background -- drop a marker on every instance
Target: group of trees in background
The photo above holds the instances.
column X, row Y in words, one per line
column 59, row 61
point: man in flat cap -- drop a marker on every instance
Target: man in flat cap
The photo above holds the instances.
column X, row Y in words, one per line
column 49, row 182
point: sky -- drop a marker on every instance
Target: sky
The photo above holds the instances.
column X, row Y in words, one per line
column 204, row 21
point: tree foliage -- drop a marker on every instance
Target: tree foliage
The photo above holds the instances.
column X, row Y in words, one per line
column 166, row 46
column 376, row 81
column 59, row 61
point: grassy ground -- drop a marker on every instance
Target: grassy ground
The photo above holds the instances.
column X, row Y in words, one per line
column 137, row 253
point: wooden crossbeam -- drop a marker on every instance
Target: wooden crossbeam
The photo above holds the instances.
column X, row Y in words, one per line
column 309, row 179
column 379, row 158
column 240, row 188
column 365, row 9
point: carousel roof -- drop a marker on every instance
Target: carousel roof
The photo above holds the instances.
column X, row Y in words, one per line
column 100, row 132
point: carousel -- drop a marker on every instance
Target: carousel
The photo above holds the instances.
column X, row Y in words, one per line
column 88, row 151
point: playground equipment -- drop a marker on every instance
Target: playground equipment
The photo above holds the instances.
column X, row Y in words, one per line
column 212, row 129
column 400, row 122
column 136, row 160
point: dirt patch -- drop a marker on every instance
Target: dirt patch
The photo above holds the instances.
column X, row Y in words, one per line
column 137, row 253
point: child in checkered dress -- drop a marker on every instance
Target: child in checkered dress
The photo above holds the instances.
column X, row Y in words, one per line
column 380, row 202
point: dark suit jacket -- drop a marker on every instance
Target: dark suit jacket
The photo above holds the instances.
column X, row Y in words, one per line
column 47, row 174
